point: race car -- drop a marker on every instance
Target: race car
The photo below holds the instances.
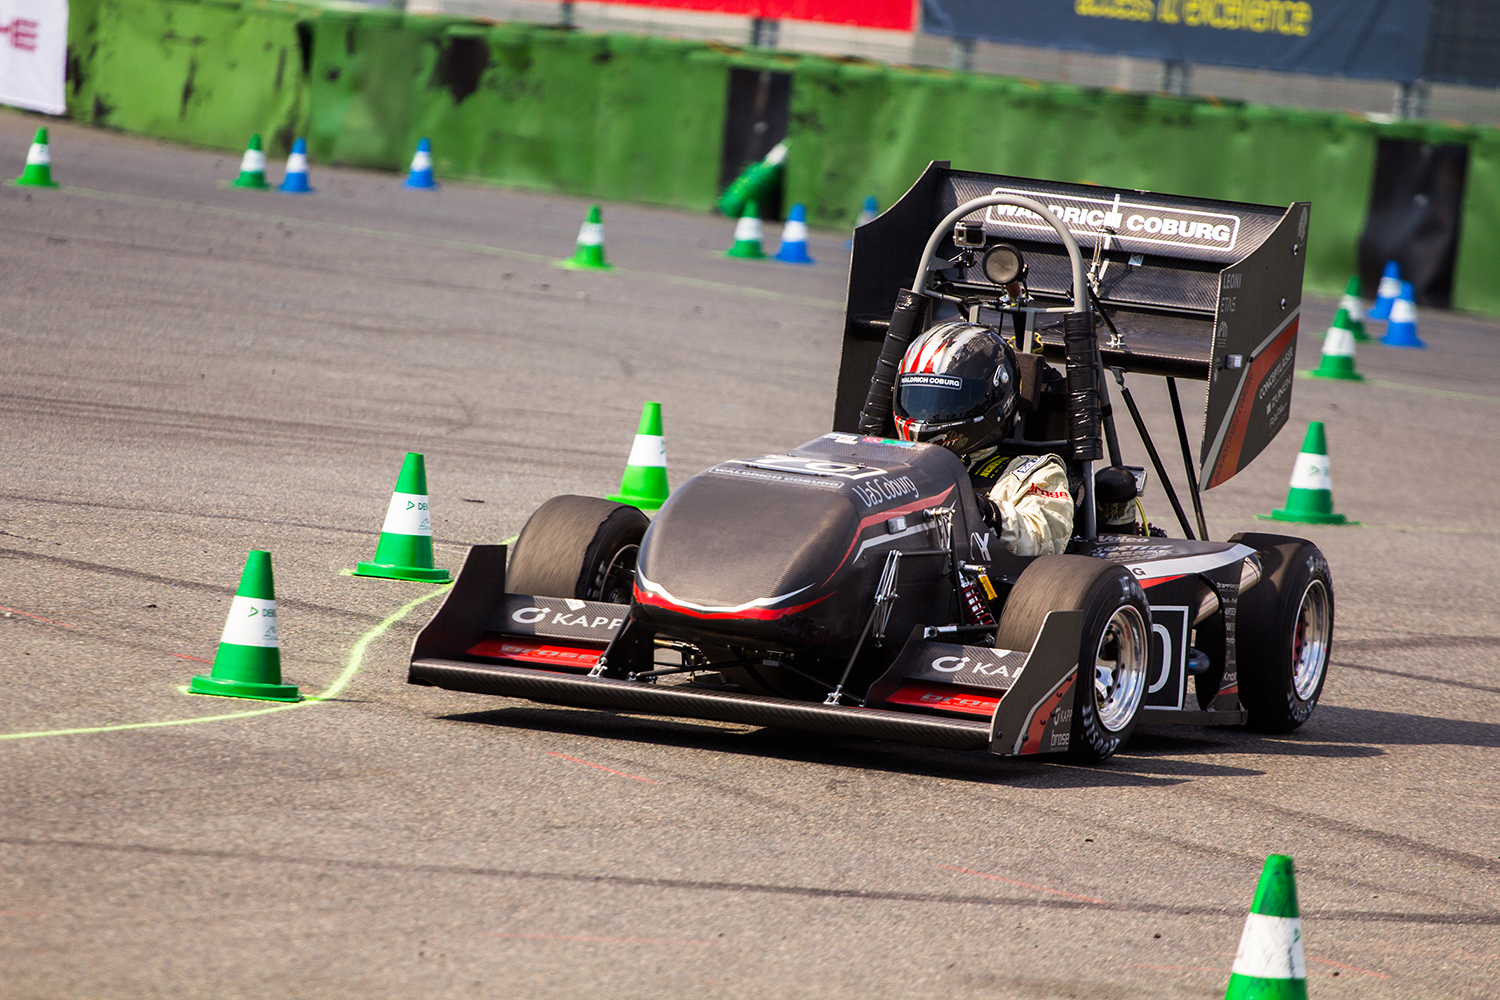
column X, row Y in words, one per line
column 856, row 584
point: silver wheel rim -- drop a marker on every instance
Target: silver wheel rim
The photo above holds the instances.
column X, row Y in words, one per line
column 1120, row 668
column 1310, row 641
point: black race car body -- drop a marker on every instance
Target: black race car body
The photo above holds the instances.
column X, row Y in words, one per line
column 853, row 584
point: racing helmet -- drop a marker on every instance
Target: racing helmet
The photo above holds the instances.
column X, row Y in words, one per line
column 956, row 387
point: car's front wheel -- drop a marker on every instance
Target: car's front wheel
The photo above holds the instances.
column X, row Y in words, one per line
column 1113, row 655
column 579, row 547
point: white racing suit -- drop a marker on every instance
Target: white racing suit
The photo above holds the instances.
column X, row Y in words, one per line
column 1032, row 496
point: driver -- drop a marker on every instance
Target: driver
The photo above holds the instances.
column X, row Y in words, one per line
column 957, row 388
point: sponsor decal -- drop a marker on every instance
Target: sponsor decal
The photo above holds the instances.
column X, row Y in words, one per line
column 543, row 654
column 953, row 664
column 940, row 381
column 539, row 616
column 815, row 467
column 1135, row 222
column 981, row 542
column 879, row 491
column 1036, row 490
column 947, row 700
column 407, row 515
column 772, row 477
column 251, row 622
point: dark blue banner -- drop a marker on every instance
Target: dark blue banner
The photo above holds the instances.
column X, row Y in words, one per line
column 1380, row 39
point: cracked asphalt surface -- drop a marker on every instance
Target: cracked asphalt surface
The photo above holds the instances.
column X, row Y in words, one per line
column 190, row 371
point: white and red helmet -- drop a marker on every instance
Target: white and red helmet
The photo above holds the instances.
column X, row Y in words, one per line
column 956, row 387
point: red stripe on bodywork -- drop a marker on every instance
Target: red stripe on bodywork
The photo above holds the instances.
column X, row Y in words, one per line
column 754, row 614
column 886, row 515
column 1234, row 439
column 1147, row 582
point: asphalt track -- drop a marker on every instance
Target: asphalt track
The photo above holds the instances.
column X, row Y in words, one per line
column 189, row 372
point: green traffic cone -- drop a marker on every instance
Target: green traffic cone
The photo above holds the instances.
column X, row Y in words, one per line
column 1338, row 351
column 405, row 549
column 588, row 255
column 747, row 235
column 252, row 168
column 1270, row 964
column 38, row 172
column 755, row 183
column 248, row 664
column 645, row 482
column 1310, row 499
column 1355, row 305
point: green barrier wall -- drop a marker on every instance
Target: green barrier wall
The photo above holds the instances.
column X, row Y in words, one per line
column 611, row 116
column 642, row 119
column 203, row 71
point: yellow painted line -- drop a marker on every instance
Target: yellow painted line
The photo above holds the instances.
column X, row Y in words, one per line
column 352, row 667
column 436, row 241
column 1380, row 383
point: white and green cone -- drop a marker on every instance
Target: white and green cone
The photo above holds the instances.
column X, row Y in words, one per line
column 1270, row 964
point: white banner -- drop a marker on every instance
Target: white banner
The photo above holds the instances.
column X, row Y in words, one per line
column 34, row 54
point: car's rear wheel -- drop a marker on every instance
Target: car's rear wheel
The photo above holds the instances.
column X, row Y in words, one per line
column 579, row 547
column 1285, row 633
column 1114, row 652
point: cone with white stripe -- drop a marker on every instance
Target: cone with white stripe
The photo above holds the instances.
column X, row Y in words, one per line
column 1270, row 964
column 420, row 176
column 1386, row 292
column 1310, row 499
column 252, row 167
column 38, row 170
column 248, row 664
column 794, row 238
column 1401, row 331
column 1354, row 305
column 295, row 181
column 866, row 214
column 645, row 482
column 747, row 235
column 405, row 549
column 588, row 255
column 1338, row 351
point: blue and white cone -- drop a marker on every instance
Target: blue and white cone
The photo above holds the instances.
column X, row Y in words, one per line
column 794, row 238
column 295, row 181
column 866, row 214
column 421, row 167
column 1401, row 331
column 1385, row 295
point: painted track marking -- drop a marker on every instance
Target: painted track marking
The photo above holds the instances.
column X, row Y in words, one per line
column 601, row 767
column 28, row 614
column 352, row 667
column 1024, row 885
column 600, row 940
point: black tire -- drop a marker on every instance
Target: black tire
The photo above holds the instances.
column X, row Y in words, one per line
column 1284, row 629
column 579, row 547
column 1116, row 616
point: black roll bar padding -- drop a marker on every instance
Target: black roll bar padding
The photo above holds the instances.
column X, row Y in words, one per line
column 875, row 418
column 1083, row 386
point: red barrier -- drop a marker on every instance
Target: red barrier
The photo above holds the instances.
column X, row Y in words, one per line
column 893, row 15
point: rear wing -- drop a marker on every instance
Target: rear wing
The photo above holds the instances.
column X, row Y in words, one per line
column 1197, row 288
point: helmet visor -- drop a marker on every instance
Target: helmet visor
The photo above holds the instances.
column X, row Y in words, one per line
column 934, row 399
